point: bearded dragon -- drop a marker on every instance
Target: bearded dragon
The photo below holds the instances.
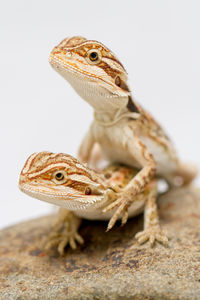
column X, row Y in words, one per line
column 83, row 193
column 126, row 133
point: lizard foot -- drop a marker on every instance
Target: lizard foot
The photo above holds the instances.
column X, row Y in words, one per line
column 64, row 232
column 122, row 211
column 122, row 207
column 61, row 238
column 152, row 234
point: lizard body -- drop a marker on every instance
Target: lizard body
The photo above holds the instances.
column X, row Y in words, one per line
column 125, row 132
column 83, row 193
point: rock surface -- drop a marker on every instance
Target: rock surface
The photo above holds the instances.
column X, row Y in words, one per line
column 109, row 265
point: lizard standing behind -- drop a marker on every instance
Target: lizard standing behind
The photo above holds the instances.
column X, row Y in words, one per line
column 125, row 132
column 83, row 193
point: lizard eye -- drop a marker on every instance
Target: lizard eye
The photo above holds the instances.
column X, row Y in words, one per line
column 59, row 177
column 93, row 56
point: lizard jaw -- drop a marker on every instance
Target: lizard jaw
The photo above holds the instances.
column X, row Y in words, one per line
column 62, row 199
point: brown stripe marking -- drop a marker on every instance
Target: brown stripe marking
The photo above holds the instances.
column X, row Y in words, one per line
column 80, row 45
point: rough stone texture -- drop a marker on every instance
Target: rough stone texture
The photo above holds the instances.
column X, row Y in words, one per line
column 106, row 267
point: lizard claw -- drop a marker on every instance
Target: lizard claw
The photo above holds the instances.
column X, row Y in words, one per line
column 152, row 234
column 125, row 217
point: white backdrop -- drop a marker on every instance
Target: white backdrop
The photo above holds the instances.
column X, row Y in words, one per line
column 157, row 41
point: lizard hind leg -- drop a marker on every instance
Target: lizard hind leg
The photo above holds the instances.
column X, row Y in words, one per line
column 187, row 172
column 152, row 230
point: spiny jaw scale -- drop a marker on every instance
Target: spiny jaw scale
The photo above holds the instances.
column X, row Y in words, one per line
column 65, row 200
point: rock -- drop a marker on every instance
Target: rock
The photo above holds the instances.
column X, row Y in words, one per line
column 109, row 265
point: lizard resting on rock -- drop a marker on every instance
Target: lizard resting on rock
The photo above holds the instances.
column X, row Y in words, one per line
column 135, row 145
column 83, row 193
column 126, row 133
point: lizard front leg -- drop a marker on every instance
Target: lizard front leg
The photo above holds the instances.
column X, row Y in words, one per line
column 140, row 153
column 64, row 231
column 86, row 147
column 90, row 151
column 152, row 230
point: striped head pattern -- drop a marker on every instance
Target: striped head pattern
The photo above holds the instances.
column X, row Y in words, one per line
column 62, row 180
column 93, row 71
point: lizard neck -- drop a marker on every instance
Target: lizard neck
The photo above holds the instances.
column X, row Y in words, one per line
column 110, row 118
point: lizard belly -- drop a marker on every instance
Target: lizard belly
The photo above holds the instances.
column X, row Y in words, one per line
column 97, row 214
column 113, row 141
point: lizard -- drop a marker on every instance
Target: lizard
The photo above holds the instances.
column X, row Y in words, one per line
column 125, row 132
column 82, row 192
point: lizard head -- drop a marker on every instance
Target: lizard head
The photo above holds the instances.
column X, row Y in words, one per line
column 93, row 71
column 61, row 180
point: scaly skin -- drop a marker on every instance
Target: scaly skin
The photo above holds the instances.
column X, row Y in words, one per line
column 83, row 193
column 125, row 132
